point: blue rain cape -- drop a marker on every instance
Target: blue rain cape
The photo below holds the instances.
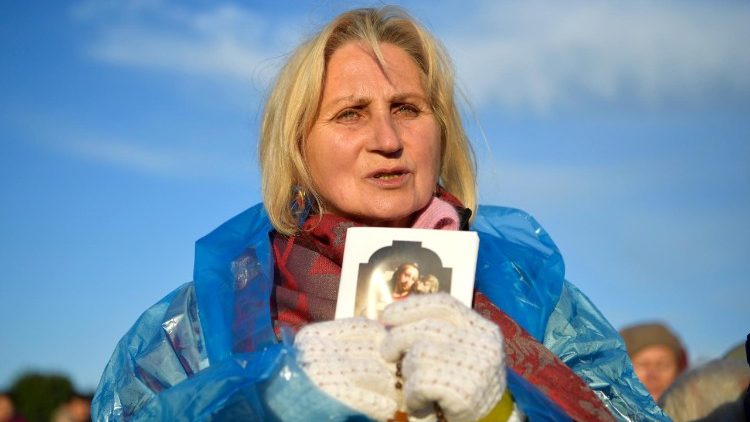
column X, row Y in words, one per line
column 207, row 351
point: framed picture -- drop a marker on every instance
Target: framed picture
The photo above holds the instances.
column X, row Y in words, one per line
column 383, row 265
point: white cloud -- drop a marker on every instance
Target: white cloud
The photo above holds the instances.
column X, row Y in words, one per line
column 561, row 186
column 549, row 55
column 677, row 183
column 125, row 154
column 186, row 160
column 223, row 42
column 146, row 48
column 179, row 162
column 538, row 56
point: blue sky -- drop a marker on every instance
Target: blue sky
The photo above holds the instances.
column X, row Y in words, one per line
column 128, row 130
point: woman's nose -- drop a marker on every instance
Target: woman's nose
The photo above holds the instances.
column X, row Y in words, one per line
column 386, row 138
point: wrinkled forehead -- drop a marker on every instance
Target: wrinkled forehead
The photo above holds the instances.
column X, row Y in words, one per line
column 374, row 50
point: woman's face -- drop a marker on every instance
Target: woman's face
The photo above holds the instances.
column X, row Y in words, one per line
column 656, row 366
column 408, row 277
column 374, row 148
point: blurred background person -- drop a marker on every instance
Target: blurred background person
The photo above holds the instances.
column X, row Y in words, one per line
column 44, row 397
column 76, row 409
column 714, row 391
column 8, row 409
column 658, row 355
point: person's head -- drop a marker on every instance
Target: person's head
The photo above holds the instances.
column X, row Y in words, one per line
column 404, row 277
column 427, row 284
column 79, row 407
column 7, row 410
column 658, row 355
column 362, row 118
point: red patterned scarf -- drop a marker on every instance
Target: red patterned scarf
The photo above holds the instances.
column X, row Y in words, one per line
column 308, row 267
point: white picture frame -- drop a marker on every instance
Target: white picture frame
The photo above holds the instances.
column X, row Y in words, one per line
column 380, row 263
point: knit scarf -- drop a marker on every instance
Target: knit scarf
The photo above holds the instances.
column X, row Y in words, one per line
column 306, row 281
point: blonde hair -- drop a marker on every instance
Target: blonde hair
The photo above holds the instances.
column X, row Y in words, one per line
column 432, row 282
column 293, row 104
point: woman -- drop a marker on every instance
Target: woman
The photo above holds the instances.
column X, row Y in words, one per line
column 361, row 128
column 403, row 279
column 657, row 354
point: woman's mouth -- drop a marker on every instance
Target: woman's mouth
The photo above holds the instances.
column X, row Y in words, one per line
column 390, row 178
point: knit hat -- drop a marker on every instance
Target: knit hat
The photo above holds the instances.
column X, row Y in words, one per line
column 638, row 337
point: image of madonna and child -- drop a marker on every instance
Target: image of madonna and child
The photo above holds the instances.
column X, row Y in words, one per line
column 406, row 280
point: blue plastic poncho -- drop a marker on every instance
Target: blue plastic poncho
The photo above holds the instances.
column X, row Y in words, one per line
column 207, row 351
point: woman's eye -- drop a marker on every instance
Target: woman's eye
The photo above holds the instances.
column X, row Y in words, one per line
column 407, row 110
column 347, row 115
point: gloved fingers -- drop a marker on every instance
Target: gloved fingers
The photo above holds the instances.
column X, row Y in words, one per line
column 377, row 406
column 343, row 330
column 342, row 358
column 416, row 307
column 402, row 338
column 351, row 337
column 440, row 306
column 458, row 401
column 423, row 401
column 379, row 377
column 464, row 383
column 440, row 360
column 370, row 374
column 365, row 383
column 312, row 349
column 457, row 405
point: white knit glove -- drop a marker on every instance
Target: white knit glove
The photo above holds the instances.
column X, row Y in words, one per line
column 451, row 355
column 342, row 358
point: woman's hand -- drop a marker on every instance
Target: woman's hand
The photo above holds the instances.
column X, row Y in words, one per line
column 342, row 358
column 451, row 356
